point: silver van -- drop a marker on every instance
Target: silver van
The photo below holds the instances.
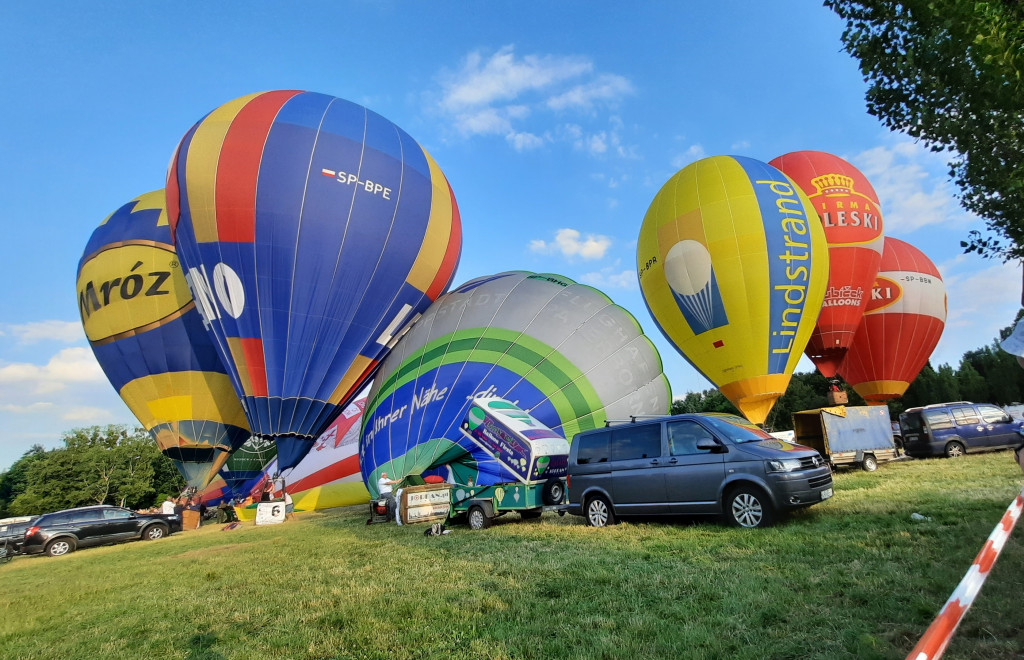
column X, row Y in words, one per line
column 699, row 464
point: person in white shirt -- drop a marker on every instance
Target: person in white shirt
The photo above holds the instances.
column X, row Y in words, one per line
column 384, row 484
column 167, row 506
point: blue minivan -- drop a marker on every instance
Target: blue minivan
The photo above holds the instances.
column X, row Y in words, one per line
column 956, row 428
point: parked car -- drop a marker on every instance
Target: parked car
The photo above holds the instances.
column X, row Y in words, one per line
column 956, row 428
column 701, row 464
column 62, row 532
column 12, row 531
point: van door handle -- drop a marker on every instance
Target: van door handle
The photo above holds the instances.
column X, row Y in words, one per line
column 654, row 462
column 673, row 461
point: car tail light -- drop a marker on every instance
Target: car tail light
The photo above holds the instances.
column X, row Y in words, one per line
column 567, row 480
column 31, row 530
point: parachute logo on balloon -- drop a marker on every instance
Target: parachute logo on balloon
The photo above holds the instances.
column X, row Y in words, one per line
column 691, row 276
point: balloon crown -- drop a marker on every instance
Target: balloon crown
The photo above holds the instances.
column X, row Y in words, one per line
column 834, row 184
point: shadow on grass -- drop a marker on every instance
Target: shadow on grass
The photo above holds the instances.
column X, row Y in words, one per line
column 200, row 647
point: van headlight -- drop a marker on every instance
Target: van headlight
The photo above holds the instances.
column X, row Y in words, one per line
column 782, row 465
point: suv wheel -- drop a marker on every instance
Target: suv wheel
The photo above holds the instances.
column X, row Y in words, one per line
column 870, row 463
column 598, row 512
column 61, row 546
column 154, row 532
column 955, row 449
column 749, row 507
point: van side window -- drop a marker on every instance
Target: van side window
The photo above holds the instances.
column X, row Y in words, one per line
column 992, row 415
column 640, row 441
column 938, row 419
column 593, row 448
column 683, row 437
column 964, row 415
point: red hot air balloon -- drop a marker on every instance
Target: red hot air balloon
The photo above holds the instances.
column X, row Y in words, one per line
column 849, row 211
column 901, row 327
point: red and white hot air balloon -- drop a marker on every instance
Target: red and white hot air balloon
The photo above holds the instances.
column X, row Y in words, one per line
column 849, row 211
column 901, row 326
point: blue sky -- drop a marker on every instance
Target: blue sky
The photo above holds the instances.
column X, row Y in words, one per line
column 555, row 123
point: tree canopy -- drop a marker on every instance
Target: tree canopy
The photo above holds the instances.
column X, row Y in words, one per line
column 949, row 72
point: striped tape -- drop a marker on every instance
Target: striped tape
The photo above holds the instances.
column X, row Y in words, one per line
column 935, row 640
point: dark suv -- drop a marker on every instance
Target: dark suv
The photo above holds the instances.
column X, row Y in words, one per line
column 953, row 429
column 61, row 532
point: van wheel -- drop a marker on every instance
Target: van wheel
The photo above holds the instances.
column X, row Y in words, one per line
column 870, row 463
column 553, row 493
column 955, row 449
column 477, row 518
column 598, row 512
column 749, row 507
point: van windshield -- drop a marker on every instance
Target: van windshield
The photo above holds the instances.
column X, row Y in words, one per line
column 736, row 428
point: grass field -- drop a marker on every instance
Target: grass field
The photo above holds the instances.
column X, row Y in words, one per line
column 854, row 577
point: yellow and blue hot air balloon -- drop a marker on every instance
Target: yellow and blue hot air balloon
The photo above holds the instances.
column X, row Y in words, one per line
column 313, row 231
column 149, row 339
column 733, row 266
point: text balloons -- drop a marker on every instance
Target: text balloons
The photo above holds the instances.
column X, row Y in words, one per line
column 149, row 339
column 901, row 326
column 733, row 267
column 559, row 350
column 849, row 211
column 312, row 230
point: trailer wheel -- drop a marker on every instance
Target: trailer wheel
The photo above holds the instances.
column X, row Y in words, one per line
column 870, row 463
column 477, row 518
column 553, row 493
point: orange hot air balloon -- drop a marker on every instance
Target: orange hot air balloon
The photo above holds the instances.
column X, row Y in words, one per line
column 849, row 211
column 901, row 326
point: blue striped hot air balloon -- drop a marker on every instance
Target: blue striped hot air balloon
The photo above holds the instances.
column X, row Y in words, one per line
column 312, row 230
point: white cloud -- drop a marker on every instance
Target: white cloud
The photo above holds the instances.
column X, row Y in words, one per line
column 86, row 415
column 501, row 93
column 694, row 153
column 609, row 278
column 524, row 141
column 38, row 406
column 982, row 301
column 607, row 87
column 70, row 365
column 67, row 332
column 911, row 194
column 568, row 243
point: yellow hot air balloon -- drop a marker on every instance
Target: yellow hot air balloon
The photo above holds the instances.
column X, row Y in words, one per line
column 733, row 266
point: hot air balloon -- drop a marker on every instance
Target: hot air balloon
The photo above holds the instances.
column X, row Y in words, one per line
column 733, row 267
column 312, row 231
column 149, row 339
column 329, row 476
column 561, row 351
column 901, row 326
column 849, row 211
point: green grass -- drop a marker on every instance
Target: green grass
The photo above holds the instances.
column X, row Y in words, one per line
column 853, row 577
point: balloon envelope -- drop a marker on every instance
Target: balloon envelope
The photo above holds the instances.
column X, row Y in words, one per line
column 849, row 211
column 148, row 337
column 901, row 326
column 312, row 230
column 733, row 267
column 559, row 350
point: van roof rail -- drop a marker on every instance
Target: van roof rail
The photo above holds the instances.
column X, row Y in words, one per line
column 632, row 419
column 949, row 403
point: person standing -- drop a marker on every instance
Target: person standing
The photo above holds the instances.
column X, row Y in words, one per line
column 168, row 506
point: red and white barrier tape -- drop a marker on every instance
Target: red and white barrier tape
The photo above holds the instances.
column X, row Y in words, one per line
column 935, row 640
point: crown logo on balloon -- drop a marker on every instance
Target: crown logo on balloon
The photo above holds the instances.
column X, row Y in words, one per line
column 833, row 184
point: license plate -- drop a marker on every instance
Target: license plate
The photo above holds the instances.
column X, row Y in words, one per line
column 827, row 493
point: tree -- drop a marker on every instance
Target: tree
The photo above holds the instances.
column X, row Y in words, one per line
column 13, row 481
column 951, row 73
column 97, row 465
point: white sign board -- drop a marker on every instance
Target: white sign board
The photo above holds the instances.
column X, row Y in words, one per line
column 270, row 513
